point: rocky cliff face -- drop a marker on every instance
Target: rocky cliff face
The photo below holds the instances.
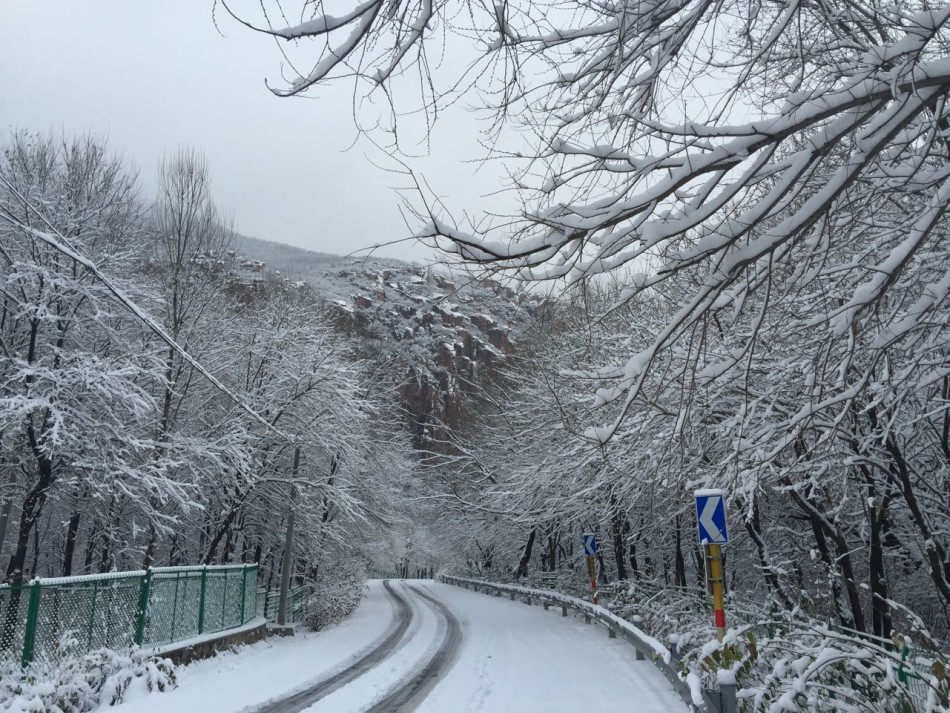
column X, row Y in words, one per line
column 443, row 333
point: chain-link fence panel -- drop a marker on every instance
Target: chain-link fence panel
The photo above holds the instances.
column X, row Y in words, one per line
column 14, row 602
column 42, row 620
column 268, row 603
column 174, row 604
column 250, row 595
column 86, row 613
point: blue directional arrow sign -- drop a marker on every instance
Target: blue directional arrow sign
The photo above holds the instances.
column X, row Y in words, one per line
column 711, row 517
column 590, row 544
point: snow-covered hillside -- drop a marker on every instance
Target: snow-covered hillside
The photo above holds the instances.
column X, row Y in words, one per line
column 443, row 331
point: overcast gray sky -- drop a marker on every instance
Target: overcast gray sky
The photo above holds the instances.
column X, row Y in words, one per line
column 152, row 76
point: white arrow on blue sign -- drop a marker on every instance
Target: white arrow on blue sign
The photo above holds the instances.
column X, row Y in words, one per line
column 590, row 544
column 711, row 517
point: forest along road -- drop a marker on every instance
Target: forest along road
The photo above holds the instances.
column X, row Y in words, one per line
column 428, row 648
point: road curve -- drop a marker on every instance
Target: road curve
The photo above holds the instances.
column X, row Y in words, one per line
column 411, row 693
column 304, row 699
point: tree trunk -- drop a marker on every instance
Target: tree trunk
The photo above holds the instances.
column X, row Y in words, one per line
column 6, row 509
column 619, row 527
column 679, row 563
column 29, row 515
column 604, row 578
column 632, row 553
column 753, row 526
column 880, row 611
column 91, row 539
column 842, row 556
column 522, row 568
column 72, row 532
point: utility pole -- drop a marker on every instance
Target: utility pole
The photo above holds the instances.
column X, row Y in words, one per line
column 288, row 548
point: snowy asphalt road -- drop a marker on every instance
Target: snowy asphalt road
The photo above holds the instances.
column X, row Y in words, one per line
column 408, row 696
column 304, row 699
column 431, row 648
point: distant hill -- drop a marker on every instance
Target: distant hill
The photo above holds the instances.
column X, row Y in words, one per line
column 443, row 332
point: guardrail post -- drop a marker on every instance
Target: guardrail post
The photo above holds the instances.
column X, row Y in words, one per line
column 586, row 618
column 640, row 656
column 32, row 616
column 728, row 702
column 145, row 589
column 201, row 599
column 545, row 605
column 564, row 610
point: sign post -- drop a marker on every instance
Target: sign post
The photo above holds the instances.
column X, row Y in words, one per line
column 590, row 551
column 711, row 520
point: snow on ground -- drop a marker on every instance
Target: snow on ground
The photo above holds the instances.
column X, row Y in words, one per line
column 513, row 659
column 421, row 640
column 232, row 682
column 517, row 658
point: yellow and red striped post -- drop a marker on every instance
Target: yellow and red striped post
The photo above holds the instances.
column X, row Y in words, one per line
column 592, row 573
column 590, row 550
column 714, row 559
column 713, row 533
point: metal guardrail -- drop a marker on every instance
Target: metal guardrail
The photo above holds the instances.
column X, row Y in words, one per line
column 646, row 646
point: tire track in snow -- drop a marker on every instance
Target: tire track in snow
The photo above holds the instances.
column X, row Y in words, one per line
column 304, row 699
column 410, row 694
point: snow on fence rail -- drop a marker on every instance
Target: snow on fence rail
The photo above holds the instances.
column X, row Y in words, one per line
column 647, row 647
column 153, row 607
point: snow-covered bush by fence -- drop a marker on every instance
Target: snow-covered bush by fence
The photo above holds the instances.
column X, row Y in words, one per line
column 336, row 593
column 80, row 683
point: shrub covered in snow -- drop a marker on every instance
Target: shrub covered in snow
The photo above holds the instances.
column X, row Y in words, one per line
column 335, row 595
column 813, row 668
column 80, row 683
column 787, row 661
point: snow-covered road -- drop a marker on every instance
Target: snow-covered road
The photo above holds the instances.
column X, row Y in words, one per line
column 431, row 648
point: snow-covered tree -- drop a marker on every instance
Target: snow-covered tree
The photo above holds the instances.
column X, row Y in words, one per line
column 76, row 373
column 778, row 173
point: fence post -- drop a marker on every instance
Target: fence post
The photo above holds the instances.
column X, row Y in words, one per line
column 144, row 590
column 32, row 616
column 244, row 594
column 201, row 599
column 92, row 614
column 224, row 599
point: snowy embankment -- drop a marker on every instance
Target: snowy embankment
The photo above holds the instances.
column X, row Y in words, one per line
column 270, row 669
column 511, row 658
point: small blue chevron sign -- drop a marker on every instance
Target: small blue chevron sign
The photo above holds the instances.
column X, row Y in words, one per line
column 711, row 517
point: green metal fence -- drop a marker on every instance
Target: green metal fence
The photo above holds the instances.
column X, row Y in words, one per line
column 161, row 605
column 268, row 602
